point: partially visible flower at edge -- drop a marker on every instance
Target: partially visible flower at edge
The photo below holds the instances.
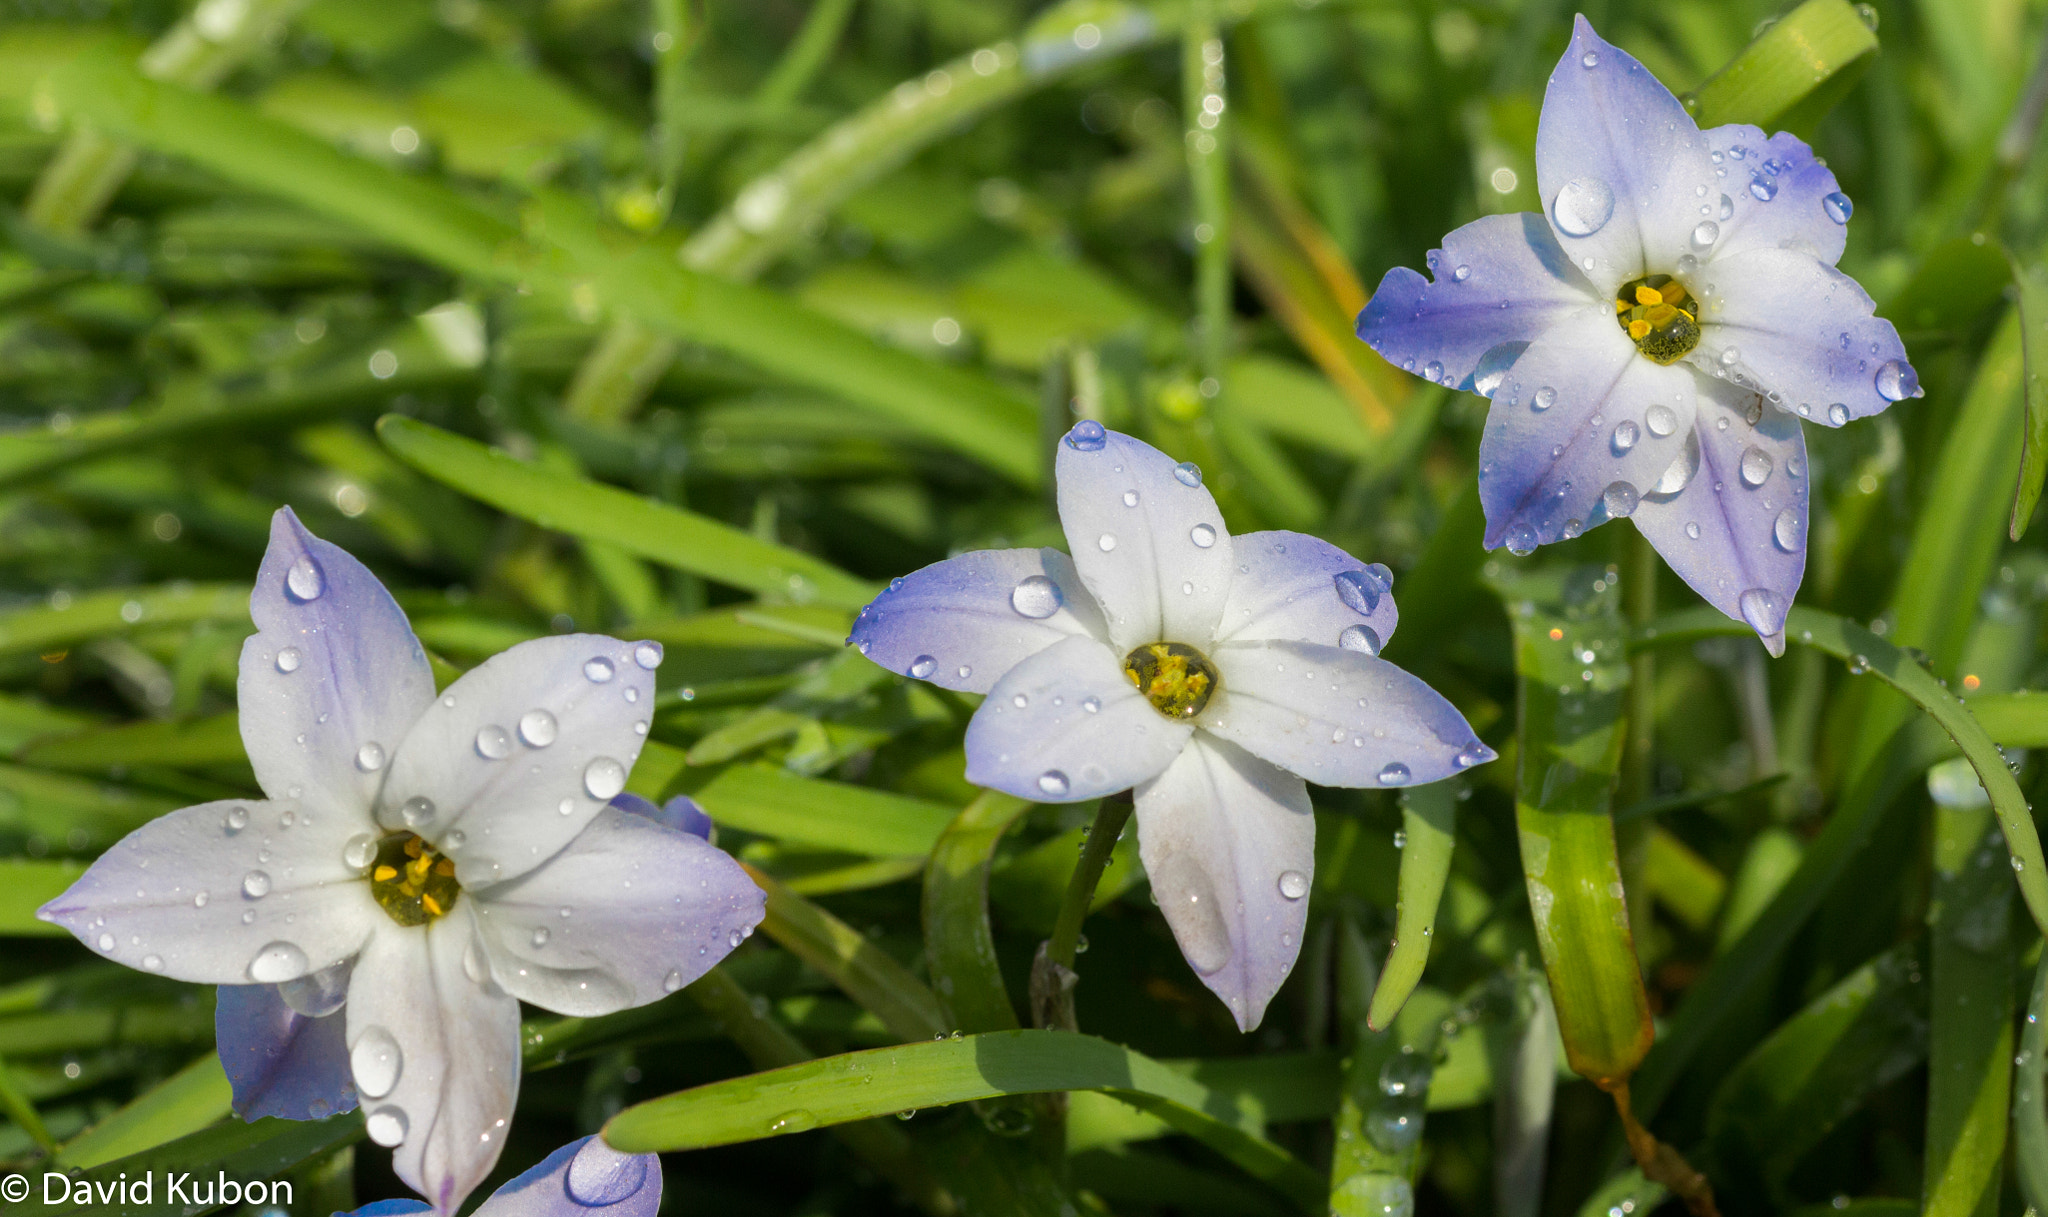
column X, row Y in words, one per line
column 585, row 1178
column 425, row 862
column 1651, row 343
column 1210, row 674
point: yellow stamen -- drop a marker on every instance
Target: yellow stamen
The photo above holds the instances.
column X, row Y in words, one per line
column 1645, row 294
column 384, row 874
column 1639, row 329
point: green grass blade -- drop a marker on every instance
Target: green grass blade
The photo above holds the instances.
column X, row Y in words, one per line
column 25, row 886
column 2030, row 1097
column 773, row 802
column 1969, row 1048
column 264, row 1150
column 62, row 625
column 181, row 744
column 186, row 1102
column 1568, row 749
column 862, row 970
column 1791, row 72
column 958, row 943
column 2033, row 320
column 935, row 1073
column 1429, row 816
column 642, row 526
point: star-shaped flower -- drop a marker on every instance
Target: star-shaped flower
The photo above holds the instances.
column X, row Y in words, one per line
column 585, row 1178
column 1209, row 673
column 431, row 861
column 1652, row 341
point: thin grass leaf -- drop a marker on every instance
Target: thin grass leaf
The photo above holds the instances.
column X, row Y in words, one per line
column 1793, row 72
column 1969, row 1047
column 865, row 972
column 959, row 945
column 25, row 886
column 184, row 1103
column 2030, row 1097
column 1429, row 816
column 773, row 802
column 45, row 630
column 2032, row 308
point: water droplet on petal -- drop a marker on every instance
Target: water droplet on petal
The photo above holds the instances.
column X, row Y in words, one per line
column 1763, row 187
column 1620, row 499
column 1762, row 609
column 600, row 1175
column 1087, row 436
column 603, row 778
column 1187, row 473
column 1521, row 540
column 1837, row 207
column 1726, row 210
column 1591, row 59
column 375, row 1062
column 1091, row 704
column 538, row 728
column 1544, row 398
column 359, row 852
column 597, row 670
column 387, row 1127
column 1293, row 884
column 416, row 811
column 1036, row 597
column 672, row 982
column 256, row 884
column 106, row 942
column 1106, row 542
column 1360, row 638
column 1360, row 590
column 1789, row 531
column 1625, row 435
column 493, row 742
column 304, row 581
column 1202, row 535
column 1053, row 784
column 1433, row 372
column 1692, row 530
column 236, row 820
column 288, row 659
column 1838, row 414
column 1582, row 207
column 1394, row 774
column 370, row 757
column 1755, row 466
column 923, row 666
column 1704, row 234
column 277, row 963
column 1896, row 381
column 647, row 655
column 1462, row 273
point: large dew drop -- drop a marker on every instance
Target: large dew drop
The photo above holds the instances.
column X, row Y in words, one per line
column 1837, row 207
column 1521, row 540
column 1661, row 419
column 1087, row 436
column 1620, row 499
column 256, row 884
column 1053, row 784
column 1293, row 884
column 647, row 655
column 1202, row 535
column 1755, row 466
column 1188, row 474
column 1360, row 638
column 603, row 778
column 600, row 1175
column 375, row 1062
column 1360, row 590
column 597, row 670
column 370, row 757
column 1763, row 187
column 1036, row 597
column 1582, row 207
column 387, row 1127
column 304, row 581
column 277, row 963
column 359, row 852
column 1838, row 414
column 1789, row 531
column 1544, row 398
column 1762, row 609
column 493, row 743
column 538, row 728
column 923, row 666
column 1626, row 434
column 1896, row 381
column 288, row 660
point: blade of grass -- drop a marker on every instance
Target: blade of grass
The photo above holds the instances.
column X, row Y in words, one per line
column 958, row 942
column 1969, row 1049
column 773, row 802
column 2030, row 1097
column 186, row 1102
column 2032, row 282
column 1793, row 70
column 25, row 886
column 862, row 970
column 1429, row 816
column 266, row 1150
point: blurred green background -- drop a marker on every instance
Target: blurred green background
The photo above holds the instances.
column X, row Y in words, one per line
column 830, row 278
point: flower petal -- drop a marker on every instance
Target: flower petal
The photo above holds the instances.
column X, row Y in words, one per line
column 964, row 622
column 583, row 1178
column 1066, row 725
column 681, row 813
column 1620, row 166
column 1499, row 280
column 630, row 912
column 280, row 1062
column 1736, row 532
column 1337, row 717
column 1295, row 587
column 434, row 1047
column 1580, row 412
column 1150, row 546
column 1229, row 844
column 1792, row 325
column 1774, row 194
column 333, row 670
column 229, row 893
column 389, row 1208
column 521, row 752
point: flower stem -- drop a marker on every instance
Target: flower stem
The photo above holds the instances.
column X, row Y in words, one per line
column 1095, row 851
column 1632, row 839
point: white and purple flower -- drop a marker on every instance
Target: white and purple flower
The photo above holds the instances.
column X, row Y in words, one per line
column 1651, row 342
column 585, row 1178
column 422, row 865
column 1210, row 674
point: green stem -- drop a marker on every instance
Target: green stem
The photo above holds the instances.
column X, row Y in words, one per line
column 1095, row 851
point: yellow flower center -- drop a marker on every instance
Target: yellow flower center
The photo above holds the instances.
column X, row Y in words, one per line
column 1176, row 678
column 412, row 882
column 1661, row 319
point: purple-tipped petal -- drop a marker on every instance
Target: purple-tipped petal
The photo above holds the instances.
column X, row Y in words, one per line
column 1146, row 537
column 1229, row 844
column 1337, row 717
column 1773, row 193
column 389, row 1208
column 521, row 752
column 1580, row 414
column 332, row 677
column 1499, row 281
column 1297, row 588
column 1620, row 166
column 585, row 1178
column 1798, row 328
column 231, row 893
column 631, row 911
column 280, row 1062
column 1736, row 532
column 1066, row 725
column 681, row 813
column 964, row 622
column 434, row 1051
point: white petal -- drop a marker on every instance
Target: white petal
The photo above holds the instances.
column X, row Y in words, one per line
column 503, row 790
column 1229, row 844
column 1151, row 547
column 1337, row 717
column 332, row 678
column 964, row 622
column 434, row 1049
column 1288, row 587
column 237, row 892
column 630, row 912
column 1065, row 725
